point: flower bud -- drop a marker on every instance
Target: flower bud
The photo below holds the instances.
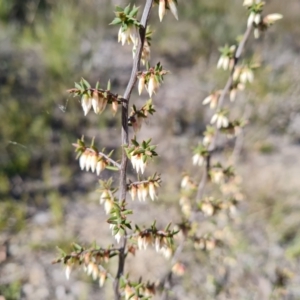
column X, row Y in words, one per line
column 161, row 9
column 86, row 103
column 141, row 84
column 173, row 8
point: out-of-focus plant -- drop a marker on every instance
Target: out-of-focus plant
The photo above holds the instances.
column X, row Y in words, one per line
column 225, row 194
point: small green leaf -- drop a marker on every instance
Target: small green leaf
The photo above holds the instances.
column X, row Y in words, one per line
column 127, row 9
column 112, row 168
column 119, row 9
column 77, row 247
column 78, row 86
column 86, row 84
column 116, row 21
column 108, row 85
column 62, row 252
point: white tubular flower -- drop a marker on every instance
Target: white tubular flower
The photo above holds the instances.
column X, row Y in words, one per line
column 89, row 269
column 139, row 193
column 220, row 119
column 232, row 94
column 144, row 191
column 140, row 242
column 178, row 269
column 152, row 191
column 93, row 162
column 167, row 252
column 68, row 271
column 141, row 84
column 95, row 272
column 145, row 53
column 256, row 33
column 161, row 9
column 246, row 75
column 86, row 103
column 106, row 195
column 98, row 103
column 124, row 36
column 102, row 278
column 129, row 292
column 272, row 18
column 184, row 182
column 198, row 159
column 223, row 62
column 95, row 101
column 101, row 165
column 207, row 209
column 138, row 163
column 248, row 2
column 152, row 85
column 251, row 19
column 218, row 176
column 133, row 192
column 158, row 243
column 82, row 160
column 114, row 107
column 108, row 205
column 88, row 162
column 173, row 8
column 257, row 19
column 212, row 100
column 118, row 237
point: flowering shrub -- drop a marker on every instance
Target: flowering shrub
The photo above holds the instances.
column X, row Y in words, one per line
column 225, row 194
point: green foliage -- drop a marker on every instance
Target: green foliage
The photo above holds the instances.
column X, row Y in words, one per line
column 11, row 291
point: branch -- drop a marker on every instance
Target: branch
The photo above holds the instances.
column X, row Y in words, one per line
column 225, row 91
column 166, row 282
column 125, row 134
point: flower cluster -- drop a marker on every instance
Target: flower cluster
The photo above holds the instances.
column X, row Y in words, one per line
column 142, row 189
column 185, row 204
column 212, row 99
column 163, row 5
column 162, row 240
column 234, row 128
column 226, row 60
column 118, row 220
column 151, row 79
column 90, row 159
column 137, row 117
column 139, row 154
column 187, row 183
column 91, row 259
column 220, row 118
column 218, row 174
column 255, row 17
column 145, row 56
column 206, row 243
column 128, row 31
column 209, row 135
column 179, row 269
column 95, row 98
column 137, row 290
column 200, row 153
column 107, row 194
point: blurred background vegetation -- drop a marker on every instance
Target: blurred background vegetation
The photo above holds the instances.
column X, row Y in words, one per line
column 46, row 45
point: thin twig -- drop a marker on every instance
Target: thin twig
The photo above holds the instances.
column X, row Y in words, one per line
column 125, row 134
column 224, row 92
column 212, row 148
